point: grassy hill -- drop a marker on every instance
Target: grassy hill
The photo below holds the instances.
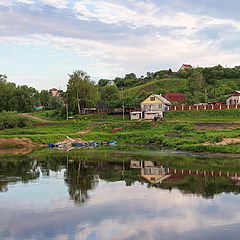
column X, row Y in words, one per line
column 218, row 91
column 158, row 86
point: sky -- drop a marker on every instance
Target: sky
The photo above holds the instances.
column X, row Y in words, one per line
column 42, row 41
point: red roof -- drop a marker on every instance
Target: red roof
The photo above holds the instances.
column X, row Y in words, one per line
column 53, row 89
column 175, row 97
column 187, row 65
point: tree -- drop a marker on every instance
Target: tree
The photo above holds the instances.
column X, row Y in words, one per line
column 81, row 90
column 24, row 98
column 44, row 97
column 103, row 82
column 55, row 103
column 110, row 96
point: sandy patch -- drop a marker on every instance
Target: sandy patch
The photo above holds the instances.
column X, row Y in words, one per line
column 16, row 145
column 225, row 141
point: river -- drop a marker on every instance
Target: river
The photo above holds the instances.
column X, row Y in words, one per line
column 121, row 193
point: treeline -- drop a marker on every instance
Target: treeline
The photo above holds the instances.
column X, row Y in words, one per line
column 200, row 85
column 23, row 98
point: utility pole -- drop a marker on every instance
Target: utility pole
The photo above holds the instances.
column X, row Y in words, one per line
column 123, row 106
column 67, row 110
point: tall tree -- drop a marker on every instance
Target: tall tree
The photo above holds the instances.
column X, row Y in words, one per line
column 44, row 97
column 81, row 90
column 110, row 96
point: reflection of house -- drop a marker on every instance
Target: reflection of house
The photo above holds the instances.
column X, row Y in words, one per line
column 155, row 174
column 141, row 164
column 152, row 106
column 234, row 99
column 185, row 67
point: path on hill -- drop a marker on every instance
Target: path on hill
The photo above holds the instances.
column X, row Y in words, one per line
column 89, row 128
column 29, row 115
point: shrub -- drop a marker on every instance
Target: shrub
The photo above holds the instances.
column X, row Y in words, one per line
column 12, row 120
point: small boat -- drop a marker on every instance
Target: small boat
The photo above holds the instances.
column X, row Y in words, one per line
column 111, row 142
column 78, row 144
column 81, row 144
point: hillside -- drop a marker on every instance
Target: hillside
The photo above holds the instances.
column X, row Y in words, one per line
column 158, row 86
column 218, row 91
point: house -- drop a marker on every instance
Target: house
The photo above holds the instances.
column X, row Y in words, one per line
column 185, row 67
column 234, row 99
column 154, row 105
column 54, row 92
column 111, row 82
column 175, row 97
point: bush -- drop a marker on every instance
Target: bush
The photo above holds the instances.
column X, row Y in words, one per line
column 12, row 120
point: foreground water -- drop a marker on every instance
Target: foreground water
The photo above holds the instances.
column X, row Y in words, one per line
column 111, row 194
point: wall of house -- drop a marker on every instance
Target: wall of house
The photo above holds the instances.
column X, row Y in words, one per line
column 233, row 100
column 152, row 105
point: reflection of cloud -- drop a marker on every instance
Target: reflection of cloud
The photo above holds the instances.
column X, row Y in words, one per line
column 119, row 212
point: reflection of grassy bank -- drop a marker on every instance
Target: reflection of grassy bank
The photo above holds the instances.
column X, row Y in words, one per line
column 145, row 153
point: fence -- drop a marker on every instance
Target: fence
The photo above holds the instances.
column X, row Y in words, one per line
column 203, row 107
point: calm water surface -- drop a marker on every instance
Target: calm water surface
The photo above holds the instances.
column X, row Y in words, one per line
column 116, row 195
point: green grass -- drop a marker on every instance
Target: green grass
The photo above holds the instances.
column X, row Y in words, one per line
column 169, row 134
column 46, row 114
column 158, row 86
column 226, row 115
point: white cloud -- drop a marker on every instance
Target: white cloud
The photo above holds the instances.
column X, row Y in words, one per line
column 26, row 1
column 6, row 3
column 56, row 3
column 156, row 52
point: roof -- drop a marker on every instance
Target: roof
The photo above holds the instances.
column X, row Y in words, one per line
column 175, row 97
column 161, row 98
column 236, row 92
column 187, row 65
column 53, row 89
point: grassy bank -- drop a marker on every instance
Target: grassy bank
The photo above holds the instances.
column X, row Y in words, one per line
column 169, row 134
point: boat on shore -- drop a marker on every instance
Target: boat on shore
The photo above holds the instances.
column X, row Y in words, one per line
column 75, row 144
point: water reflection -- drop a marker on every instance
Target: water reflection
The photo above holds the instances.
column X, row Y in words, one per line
column 122, row 196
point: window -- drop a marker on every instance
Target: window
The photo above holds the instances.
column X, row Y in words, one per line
column 160, row 106
column 152, row 98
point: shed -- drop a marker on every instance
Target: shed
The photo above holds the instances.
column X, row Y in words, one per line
column 136, row 115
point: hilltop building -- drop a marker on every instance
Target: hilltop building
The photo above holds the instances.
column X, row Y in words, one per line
column 54, row 92
column 185, row 67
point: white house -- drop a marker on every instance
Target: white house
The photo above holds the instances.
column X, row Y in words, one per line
column 234, row 99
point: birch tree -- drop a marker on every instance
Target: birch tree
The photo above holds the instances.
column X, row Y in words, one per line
column 81, row 90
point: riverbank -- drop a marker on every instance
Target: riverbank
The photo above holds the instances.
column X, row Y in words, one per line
column 213, row 137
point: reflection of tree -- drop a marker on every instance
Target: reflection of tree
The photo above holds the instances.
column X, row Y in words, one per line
column 12, row 171
column 80, row 178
